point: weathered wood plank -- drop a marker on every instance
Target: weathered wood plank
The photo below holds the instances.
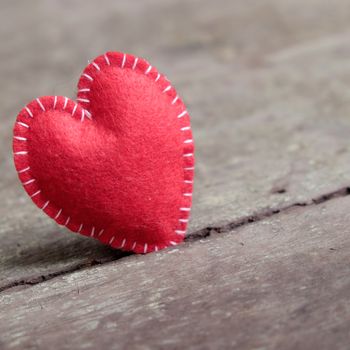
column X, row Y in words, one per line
column 268, row 117
column 282, row 283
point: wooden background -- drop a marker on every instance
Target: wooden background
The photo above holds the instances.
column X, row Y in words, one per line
column 266, row 263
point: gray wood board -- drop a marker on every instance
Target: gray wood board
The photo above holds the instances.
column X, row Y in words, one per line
column 269, row 105
column 281, row 283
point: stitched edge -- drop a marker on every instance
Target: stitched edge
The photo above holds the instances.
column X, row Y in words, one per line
column 127, row 61
column 80, row 109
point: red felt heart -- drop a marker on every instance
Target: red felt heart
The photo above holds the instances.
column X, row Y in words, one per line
column 116, row 165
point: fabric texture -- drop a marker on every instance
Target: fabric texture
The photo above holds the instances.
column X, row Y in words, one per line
column 117, row 164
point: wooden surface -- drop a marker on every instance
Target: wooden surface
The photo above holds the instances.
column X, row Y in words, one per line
column 267, row 85
column 281, row 283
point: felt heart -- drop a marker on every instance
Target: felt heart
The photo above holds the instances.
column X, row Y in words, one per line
column 118, row 163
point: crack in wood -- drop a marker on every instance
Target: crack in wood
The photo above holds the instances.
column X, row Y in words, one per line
column 31, row 281
column 203, row 233
column 266, row 213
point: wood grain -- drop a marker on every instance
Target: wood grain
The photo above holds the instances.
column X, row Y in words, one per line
column 282, row 283
column 266, row 83
column 271, row 123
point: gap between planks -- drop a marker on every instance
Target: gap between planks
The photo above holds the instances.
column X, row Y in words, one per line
column 199, row 234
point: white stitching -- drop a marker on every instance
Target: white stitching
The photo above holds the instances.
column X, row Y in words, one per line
column 74, row 109
column 65, row 103
column 181, row 233
column 111, row 240
column 123, row 243
column 67, row 221
column 188, row 141
column 185, row 209
column 58, row 214
column 124, row 59
column 148, row 69
column 188, row 155
column 45, row 205
column 83, row 100
column 156, row 248
column 145, row 248
column 20, row 153
column 82, row 115
column 167, row 89
column 88, row 76
column 40, row 104
column 80, row 228
column 23, row 170
column 157, row 78
column 100, row 233
column 133, row 246
column 35, row 194
column 29, row 111
column 23, row 124
column 188, row 182
column 186, row 128
column 55, row 102
column 28, row 182
column 20, row 138
column 183, row 220
column 92, row 232
column 172, row 243
column 182, row 114
column 135, row 63
column 96, row 66
column 107, row 60
column 174, row 100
